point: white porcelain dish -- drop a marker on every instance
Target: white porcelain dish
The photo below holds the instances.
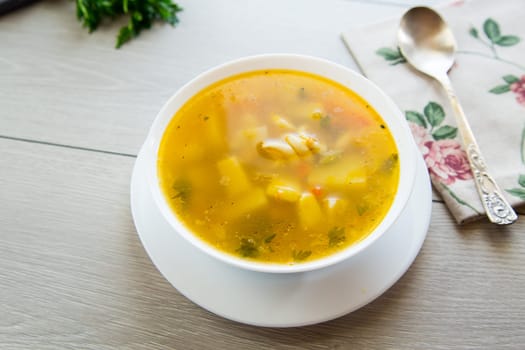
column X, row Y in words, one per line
column 281, row 300
column 356, row 82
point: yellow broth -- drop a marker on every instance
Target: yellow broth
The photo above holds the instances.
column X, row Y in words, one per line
column 278, row 166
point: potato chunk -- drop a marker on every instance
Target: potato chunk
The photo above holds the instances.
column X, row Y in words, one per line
column 283, row 191
column 233, row 176
column 309, row 211
column 213, row 130
column 245, row 203
column 335, row 208
column 345, row 174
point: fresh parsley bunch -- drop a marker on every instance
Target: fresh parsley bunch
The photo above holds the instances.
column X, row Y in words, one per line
column 142, row 14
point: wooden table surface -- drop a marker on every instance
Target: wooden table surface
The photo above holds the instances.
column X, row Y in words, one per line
column 73, row 114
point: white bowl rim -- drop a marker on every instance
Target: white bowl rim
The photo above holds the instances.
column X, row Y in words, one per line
column 374, row 96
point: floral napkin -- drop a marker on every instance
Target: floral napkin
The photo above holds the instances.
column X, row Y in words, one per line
column 489, row 79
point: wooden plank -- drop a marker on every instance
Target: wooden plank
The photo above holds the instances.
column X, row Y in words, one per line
column 73, row 274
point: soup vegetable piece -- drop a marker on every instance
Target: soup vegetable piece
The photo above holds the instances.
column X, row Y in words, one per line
column 278, row 166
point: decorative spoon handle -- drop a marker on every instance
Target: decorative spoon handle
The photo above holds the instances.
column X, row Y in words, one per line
column 496, row 206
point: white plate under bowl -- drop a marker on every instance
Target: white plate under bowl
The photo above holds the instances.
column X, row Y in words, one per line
column 281, row 300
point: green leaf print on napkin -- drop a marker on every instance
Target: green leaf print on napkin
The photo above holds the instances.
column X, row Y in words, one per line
column 518, row 191
column 416, row 118
column 493, row 33
column 445, row 132
column 514, row 84
column 394, row 56
column 494, row 38
column 433, row 115
column 509, row 80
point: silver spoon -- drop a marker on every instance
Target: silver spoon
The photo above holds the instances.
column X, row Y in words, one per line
column 429, row 46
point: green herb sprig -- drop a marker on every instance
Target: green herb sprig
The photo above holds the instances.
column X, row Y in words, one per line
column 336, row 235
column 142, row 14
column 248, row 248
column 301, row 255
column 182, row 188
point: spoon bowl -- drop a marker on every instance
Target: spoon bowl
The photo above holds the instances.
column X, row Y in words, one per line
column 428, row 41
column 428, row 44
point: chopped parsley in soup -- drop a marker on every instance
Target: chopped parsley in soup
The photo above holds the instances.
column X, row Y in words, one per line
column 278, row 166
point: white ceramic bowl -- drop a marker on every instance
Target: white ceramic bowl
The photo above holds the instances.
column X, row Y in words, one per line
column 354, row 81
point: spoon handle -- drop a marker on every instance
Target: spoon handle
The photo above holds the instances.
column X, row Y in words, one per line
column 496, row 206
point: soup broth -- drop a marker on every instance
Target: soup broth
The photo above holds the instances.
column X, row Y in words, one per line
column 278, row 166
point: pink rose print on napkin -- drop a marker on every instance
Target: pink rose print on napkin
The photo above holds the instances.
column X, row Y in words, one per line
column 518, row 88
column 514, row 84
column 447, row 161
column 421, row 136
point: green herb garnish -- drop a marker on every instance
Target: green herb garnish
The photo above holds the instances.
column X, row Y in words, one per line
column 269, row 238
column 362, row 208
column 336, row 235
column 248, row 249
column 390, row 162
column 142, row 14
column 182, row 189
column 301, row 255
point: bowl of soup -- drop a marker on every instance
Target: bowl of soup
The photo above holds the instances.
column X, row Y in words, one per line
column 280, row 163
